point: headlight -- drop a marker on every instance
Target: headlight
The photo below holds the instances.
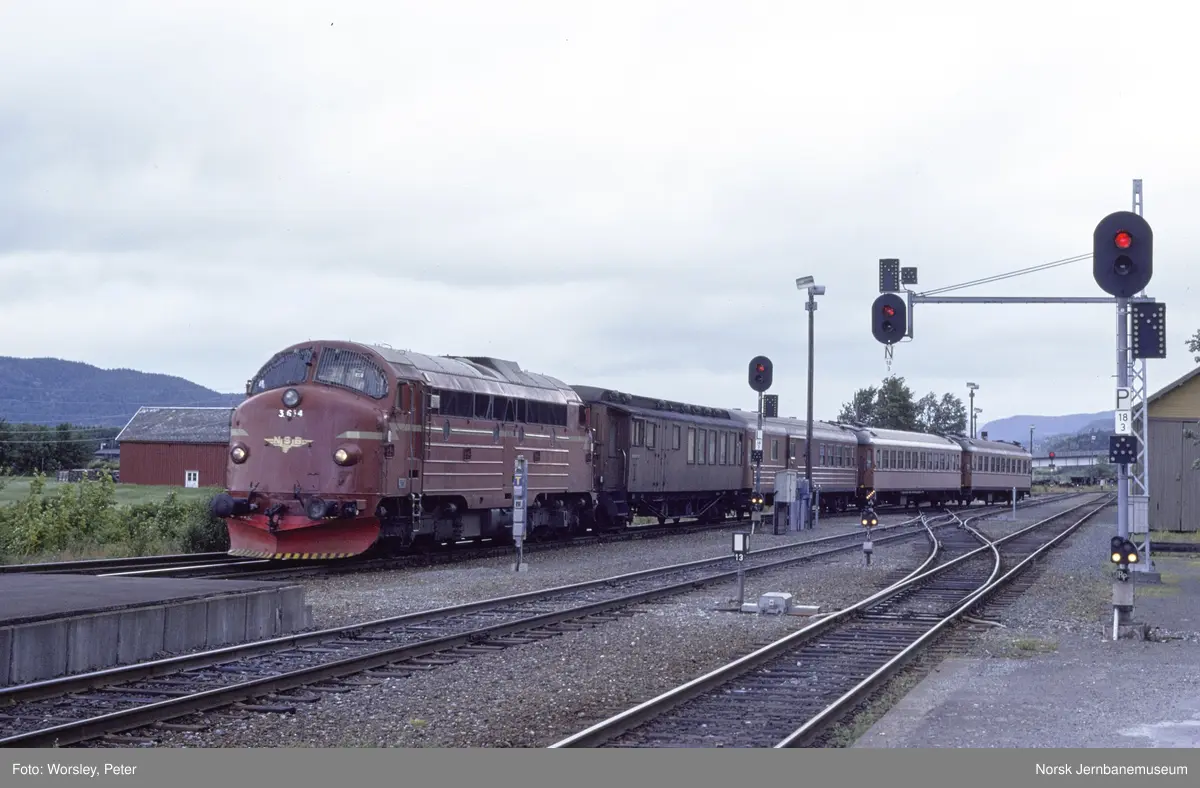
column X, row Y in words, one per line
column 347, row 455
column 291, row 398
column 341, row 456
column 238, row 453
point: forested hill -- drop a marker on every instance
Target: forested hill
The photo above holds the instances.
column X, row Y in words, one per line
column 52, row 391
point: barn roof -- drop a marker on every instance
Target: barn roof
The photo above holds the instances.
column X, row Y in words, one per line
column 178, row 425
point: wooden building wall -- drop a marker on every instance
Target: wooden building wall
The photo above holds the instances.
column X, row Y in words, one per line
column 168, row 463
column 1174, row 483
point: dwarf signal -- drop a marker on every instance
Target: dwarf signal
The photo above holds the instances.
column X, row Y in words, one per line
column 1123, row 551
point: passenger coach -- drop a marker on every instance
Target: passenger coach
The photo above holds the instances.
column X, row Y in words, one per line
column 993, row 469
column 909, row 468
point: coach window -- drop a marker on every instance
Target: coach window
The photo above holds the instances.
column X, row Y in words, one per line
column 700, row 447
column 651, row 429
column 724, row 458
column 691, row 446
column 712, row 447
column 737, row 442
column 639, row 432
column 675, row 437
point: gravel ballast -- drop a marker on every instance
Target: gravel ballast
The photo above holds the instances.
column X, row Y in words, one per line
column 534, row 695
column 346, row 599
column 1046, row 678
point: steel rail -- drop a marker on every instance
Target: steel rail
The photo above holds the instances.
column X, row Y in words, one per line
column 612, row 727
column 809, row 729
column 73, row 732
column 138, row 716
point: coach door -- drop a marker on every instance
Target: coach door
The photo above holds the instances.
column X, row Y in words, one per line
column 614, row 450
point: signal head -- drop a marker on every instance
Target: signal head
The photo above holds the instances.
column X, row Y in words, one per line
column 1122, row 254
column 761, row 373
column 889, row 318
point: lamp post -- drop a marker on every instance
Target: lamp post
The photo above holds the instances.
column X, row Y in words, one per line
column 975, row 419
column 1030, row 440
column 972, row 388
column 814, row 290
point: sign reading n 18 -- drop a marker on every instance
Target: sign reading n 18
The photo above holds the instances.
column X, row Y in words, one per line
column 1124, row 415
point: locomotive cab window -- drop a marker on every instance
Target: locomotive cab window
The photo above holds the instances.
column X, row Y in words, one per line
column 289, row 368
column 639, row 432
column 351, row 370
column 651, row 429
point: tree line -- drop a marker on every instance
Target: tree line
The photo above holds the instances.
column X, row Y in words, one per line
column 892, row 406
column 26, row 449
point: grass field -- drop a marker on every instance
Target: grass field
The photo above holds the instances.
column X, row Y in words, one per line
column 17, row 488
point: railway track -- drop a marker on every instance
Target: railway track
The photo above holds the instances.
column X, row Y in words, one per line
column 76, row 709
column 787, row 693
column 266, row 675
column 221, row 566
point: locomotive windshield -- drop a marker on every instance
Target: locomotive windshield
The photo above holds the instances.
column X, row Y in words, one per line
column 351, row 370
column 285, row 369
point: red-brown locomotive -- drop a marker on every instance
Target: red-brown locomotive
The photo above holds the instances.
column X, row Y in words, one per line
column 342, row 447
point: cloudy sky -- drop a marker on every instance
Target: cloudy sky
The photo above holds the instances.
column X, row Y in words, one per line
column 616, row 194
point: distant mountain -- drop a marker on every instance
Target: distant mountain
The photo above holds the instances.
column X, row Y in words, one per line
column 1016, row 428
column 50, row 391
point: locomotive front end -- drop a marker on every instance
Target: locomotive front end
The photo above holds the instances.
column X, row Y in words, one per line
column 305, row 460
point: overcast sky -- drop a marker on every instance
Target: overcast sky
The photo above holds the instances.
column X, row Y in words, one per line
column 617, row 194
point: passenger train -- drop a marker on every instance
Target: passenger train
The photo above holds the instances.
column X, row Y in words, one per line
column 342, row 449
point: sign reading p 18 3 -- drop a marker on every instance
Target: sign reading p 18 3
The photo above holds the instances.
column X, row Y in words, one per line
column 1124, row 413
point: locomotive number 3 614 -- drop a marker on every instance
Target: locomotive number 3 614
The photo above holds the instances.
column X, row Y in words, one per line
column 289, row 413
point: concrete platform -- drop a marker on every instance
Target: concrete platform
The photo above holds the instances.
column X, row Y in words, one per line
column 1090, row 692
column 56, row 625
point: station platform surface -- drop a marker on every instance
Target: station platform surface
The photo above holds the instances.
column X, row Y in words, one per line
column 54, row 625
column 1090, row 691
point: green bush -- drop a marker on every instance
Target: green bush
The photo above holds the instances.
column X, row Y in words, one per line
column 84, row 518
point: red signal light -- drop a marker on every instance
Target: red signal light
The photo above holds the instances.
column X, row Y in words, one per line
column 889, row 310
column 760, row 368
column 1052, row 455
column 1123, row 240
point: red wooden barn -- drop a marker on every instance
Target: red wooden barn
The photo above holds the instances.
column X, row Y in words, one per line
column 179, row 447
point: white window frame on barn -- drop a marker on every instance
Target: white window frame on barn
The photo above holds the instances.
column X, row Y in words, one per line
column 191, row 479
